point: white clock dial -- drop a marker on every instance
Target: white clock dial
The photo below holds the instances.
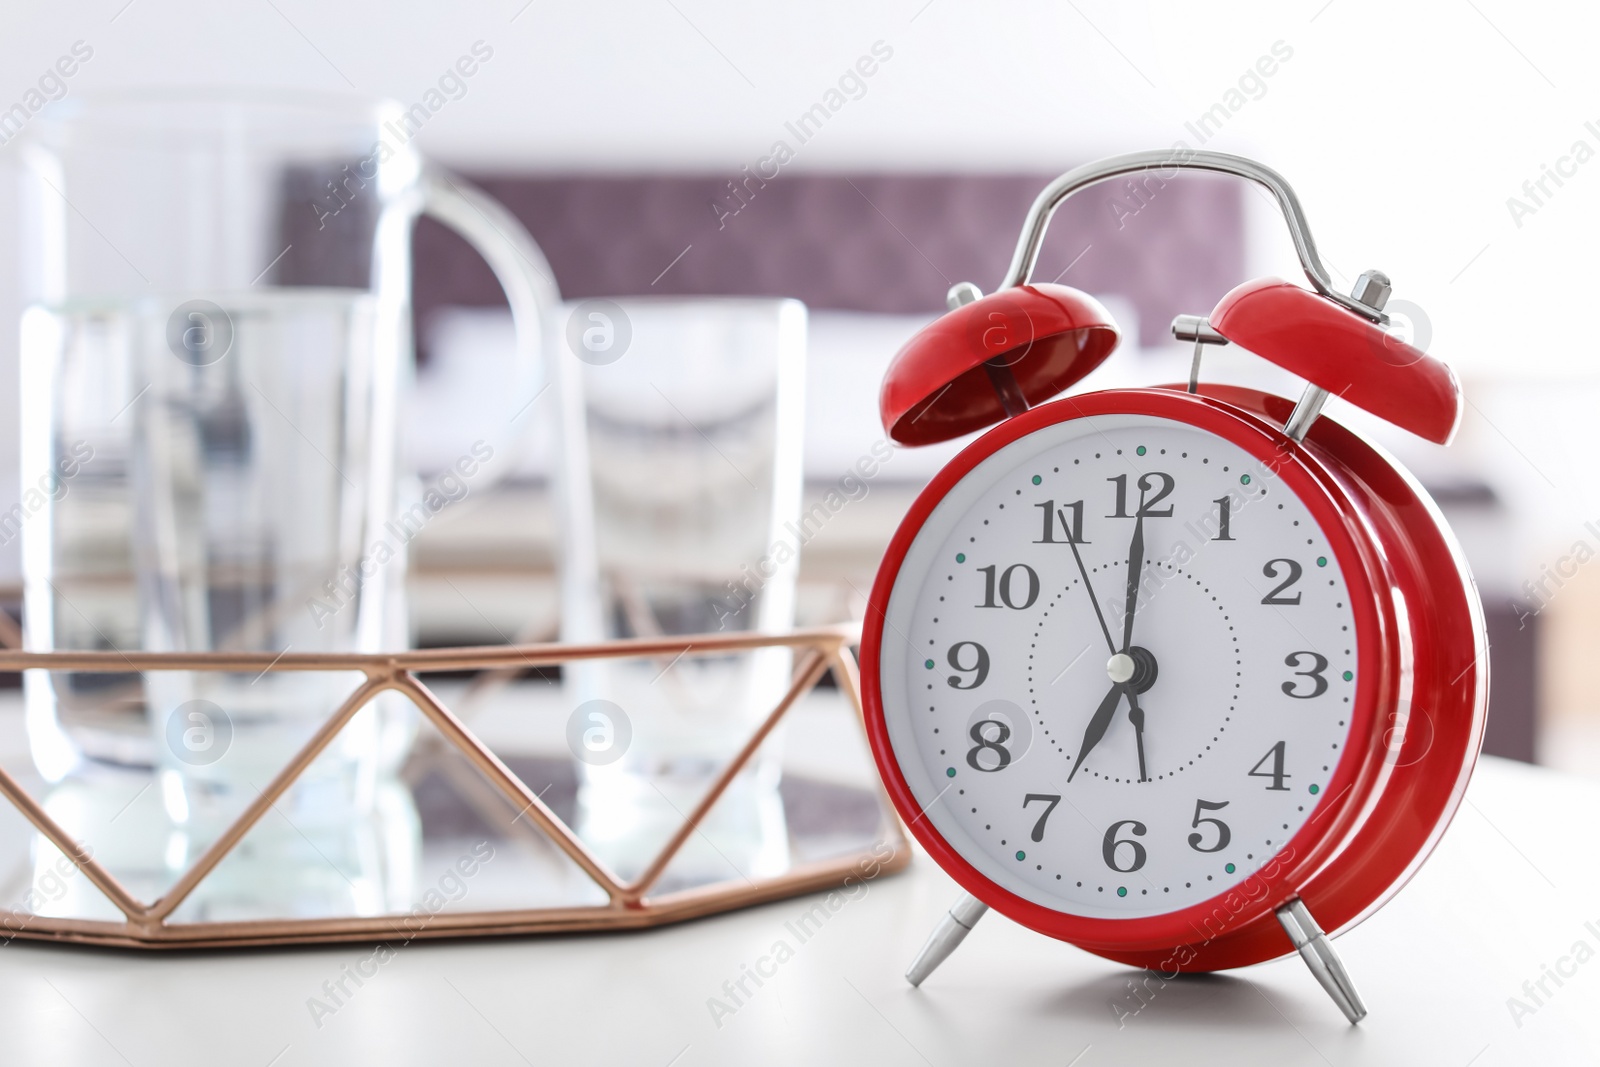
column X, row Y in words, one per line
column 1006, row 632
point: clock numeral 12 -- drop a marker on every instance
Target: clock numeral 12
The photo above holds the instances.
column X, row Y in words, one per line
column 1147, row 508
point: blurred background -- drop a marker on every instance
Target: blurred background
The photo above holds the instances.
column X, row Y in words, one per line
column 862, row 157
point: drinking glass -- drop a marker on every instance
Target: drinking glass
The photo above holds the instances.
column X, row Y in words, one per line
column 219, row 326
column 694, row 411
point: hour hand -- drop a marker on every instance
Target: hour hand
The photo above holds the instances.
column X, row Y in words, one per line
column 1097, row 726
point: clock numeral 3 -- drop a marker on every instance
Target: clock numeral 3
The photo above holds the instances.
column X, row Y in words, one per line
column 1319, row 684
column 1224, row 835
column 1147, row 507
column 1110, row 845
column 1275, row 754
column 1271, row 571
column 1051, row 799
column 980, row 665
column 1006, row 586
column 995, row 744
column 1053, row 515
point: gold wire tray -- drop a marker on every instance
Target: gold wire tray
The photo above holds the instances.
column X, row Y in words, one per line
column 630, row 904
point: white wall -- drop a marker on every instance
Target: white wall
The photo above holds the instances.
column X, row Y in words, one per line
column 1405, row 127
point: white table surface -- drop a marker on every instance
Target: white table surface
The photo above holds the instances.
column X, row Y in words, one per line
column 1509, row 891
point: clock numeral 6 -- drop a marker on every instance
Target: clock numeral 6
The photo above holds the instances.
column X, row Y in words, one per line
column 1109, row 846
column 995, row 744
column 980, row 665
column 1319, row 684
column 1224, row 835
column 1006, row 585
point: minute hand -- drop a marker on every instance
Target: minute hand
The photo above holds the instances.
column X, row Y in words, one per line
column 1135, row 559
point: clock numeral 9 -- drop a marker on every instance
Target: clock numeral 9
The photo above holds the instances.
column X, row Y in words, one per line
column 995, row 744
column 1007, row 586
column 980, row 666
column 1319, row 684
column 1224, row 835
column 1109, row 846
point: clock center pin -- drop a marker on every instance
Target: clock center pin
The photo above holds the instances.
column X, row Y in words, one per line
column 1136, row 667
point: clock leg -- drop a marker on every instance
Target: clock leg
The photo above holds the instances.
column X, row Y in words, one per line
column 1319, row 955
column 956, row 924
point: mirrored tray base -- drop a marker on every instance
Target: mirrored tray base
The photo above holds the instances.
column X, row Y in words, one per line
column 462, row 841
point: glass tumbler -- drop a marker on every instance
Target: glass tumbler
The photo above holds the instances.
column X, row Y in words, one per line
column 694, row 413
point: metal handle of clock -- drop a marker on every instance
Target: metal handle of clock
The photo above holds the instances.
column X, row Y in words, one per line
column 1305, row 246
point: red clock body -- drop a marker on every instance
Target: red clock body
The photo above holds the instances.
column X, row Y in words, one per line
column 1138, row 668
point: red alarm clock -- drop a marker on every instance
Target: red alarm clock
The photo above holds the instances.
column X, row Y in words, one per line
column 1182, row 675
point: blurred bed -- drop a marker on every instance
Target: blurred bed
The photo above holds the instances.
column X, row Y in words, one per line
column 871, row 255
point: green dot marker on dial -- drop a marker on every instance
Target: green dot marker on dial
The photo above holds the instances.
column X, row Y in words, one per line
column 1140, row 450
column 1244, row 479
column 1037, row 479
column 1229, row 868
column 1348, row 676
column 961, row 557
column 1315, row 790
column 1122, row 890
column 928, row 663
column 950, row 772
column 1021, row 855
column 1322, row 561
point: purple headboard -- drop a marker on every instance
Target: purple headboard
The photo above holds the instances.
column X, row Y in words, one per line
column 865, row 242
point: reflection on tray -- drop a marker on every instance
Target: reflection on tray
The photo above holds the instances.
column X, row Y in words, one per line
column 439, row 839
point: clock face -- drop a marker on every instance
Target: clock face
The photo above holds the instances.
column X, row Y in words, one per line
column 1099, row 754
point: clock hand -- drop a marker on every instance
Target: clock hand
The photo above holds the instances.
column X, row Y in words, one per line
column 1135, row 561
column 1084, row 574
column 1135, row 568
column 1097, row 726
column 1136, row 716
column 1101, row 719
